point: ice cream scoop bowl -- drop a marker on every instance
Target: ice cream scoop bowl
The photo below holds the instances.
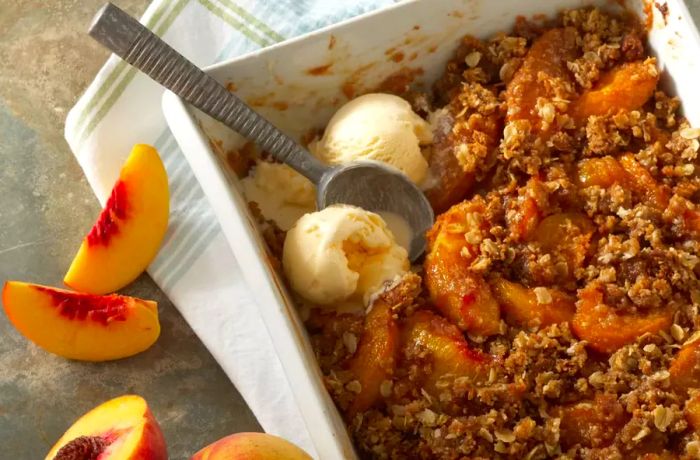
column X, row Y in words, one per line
column 370, row 185
column 379, row 188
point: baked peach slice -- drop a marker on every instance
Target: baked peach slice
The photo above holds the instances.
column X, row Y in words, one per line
column 567, row 233
column 460, row 294
column 81, row 326
column 523, row 214
column 375, row 358
column 626, row 87
column 426, row 334
column 627, row 172
column 122, row 428
column 534, row 307
column 644, row 183
column 453, row 183
column 458, row 146
column 525, row 219
column 545, row 62
column 130, row 229
column 251, row 446
column 606, row 330
column 685, row 367
column 692, row 411
column 591, row 423
column 603, row 172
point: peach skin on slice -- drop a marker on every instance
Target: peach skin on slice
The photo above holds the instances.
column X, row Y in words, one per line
column 605, row 330
column 592, row 423
column 251, row 446
column 128, row 233
column 81, row 326
column 524, row 308
column 545, row 61
column 425, row 333
column 122, row 428
column 626, row 87
column 685, row 367
column 460, row 294
column 375, row 358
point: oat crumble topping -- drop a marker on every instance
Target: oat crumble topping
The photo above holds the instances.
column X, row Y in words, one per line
column 555, row 315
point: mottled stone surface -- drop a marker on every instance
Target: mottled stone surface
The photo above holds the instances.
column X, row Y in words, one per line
column 46, row 206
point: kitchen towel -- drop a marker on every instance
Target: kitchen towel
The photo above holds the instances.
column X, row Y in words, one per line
column 195, row 266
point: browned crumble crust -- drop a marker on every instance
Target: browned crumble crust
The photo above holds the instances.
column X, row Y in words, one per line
column 272, row 234
column 543, row 391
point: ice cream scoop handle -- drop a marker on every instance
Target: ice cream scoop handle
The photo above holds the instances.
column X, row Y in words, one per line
column 138, row 46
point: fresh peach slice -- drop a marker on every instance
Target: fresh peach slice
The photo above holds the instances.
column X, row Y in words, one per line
column 685, row 368
column 591, row 423
column 545, row 61
column 626, row 87
column 81, row 326
column 122, row 428
column 375, row 359
column 606, row 330
column 425, row 333
column 251, row 446
column 128, row 233
column 457, row 292
column 524, row 308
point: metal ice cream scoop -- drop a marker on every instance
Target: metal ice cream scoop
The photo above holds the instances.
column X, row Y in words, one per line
column 369, row 185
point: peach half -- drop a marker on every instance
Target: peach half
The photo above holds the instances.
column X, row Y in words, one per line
column 130, row 229
column 251, row 446
column 122, row 428
column 81, row 326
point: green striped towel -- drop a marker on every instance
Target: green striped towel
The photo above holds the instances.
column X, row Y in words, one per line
column 195, row 267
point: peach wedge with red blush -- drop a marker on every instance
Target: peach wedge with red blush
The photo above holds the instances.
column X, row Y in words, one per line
column 130, row 229
column 122, row 428
column 78, row 326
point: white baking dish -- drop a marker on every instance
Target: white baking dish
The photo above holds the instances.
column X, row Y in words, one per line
column 362, row 52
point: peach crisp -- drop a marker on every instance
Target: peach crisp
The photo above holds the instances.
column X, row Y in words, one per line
column 555, row 314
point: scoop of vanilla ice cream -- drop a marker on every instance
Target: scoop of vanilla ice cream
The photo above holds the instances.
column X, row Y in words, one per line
column 282, row 194
column 341, row 253
column 379, row 127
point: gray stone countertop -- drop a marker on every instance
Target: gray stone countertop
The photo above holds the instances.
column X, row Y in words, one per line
column 46, row 206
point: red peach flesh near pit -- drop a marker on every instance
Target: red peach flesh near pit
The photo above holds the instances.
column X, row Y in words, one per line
column 79, row 326
column 101, row 309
